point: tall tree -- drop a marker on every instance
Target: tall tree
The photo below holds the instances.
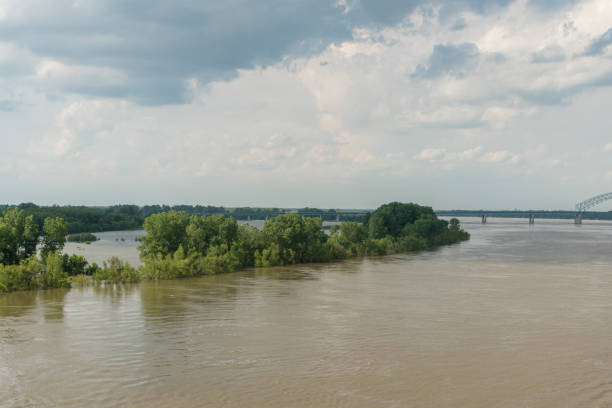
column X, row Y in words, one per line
column 18, row 236
column 54, row 235
column 165, row 232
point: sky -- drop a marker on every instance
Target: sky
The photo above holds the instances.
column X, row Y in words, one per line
column 462, row 104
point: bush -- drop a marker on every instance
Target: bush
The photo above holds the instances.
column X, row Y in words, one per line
column 32, row 273
column 80, row 280
column 335, row 248
column 52, row 274
column 270, row 256
column 410, row 244
column 17, row 277
column 171, row 266
column 116, row 271
column 74, row 265
column 92, row 269
column 86, row 237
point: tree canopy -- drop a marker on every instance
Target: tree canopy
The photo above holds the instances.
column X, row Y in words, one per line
column 18, row 236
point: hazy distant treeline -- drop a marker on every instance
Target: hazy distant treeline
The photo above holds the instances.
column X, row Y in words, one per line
column 125, row 217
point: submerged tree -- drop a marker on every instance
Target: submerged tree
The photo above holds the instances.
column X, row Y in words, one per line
column 54, row 235
column 391, row 219
column 165, row 232
column 18, row 236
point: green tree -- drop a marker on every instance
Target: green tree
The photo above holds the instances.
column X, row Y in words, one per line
column 454, row 225
column 295, row 239
column 116, row 271
column 428, row 226
column 248, row 241
column 54, row 235
column 165, row 232
column 391, row 219
column 203, row 232
column 53, row 274
column 74, row 265
column 353, row 232
column 18, row 236
column 228, row 231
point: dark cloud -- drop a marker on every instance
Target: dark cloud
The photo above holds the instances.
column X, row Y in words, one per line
column 599, row 45
column 449, row 59
column 383, row 11
column 159, row 44
column 459, row 25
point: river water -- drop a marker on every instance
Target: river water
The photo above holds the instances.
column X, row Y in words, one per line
column 519, row 316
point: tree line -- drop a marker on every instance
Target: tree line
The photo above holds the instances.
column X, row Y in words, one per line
column 178, row 245
column 81, row 219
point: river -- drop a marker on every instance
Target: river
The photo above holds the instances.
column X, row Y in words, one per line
column 519, row 316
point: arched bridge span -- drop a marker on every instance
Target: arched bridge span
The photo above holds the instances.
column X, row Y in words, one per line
column 592, row 202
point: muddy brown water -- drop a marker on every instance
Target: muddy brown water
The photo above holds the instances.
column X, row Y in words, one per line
column 519, row 316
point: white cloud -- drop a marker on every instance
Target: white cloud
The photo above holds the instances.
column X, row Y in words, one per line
column 353, row 115
column 431, row 154
column 469, row 155
column 495, row 157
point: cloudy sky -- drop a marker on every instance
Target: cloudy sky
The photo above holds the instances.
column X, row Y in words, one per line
column 495, row 104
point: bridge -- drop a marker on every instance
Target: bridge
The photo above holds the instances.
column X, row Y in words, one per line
column 582, row 206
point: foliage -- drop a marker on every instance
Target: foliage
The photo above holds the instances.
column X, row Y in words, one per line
column 116, row 271
column 53, row 235
column 74, row 265
column 82, row 237
column 391, row 219
column 292, row 239
column 126, row 217
column 92, row 269
column 177, row 245
column 17, row 277
column 18, row 236
column 428, row 226
column 52, row 274
column 165, row 232
column 175, row 265
column 33, row 273
column 248, row 241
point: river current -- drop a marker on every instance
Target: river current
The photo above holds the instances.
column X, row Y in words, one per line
column 519, row 316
